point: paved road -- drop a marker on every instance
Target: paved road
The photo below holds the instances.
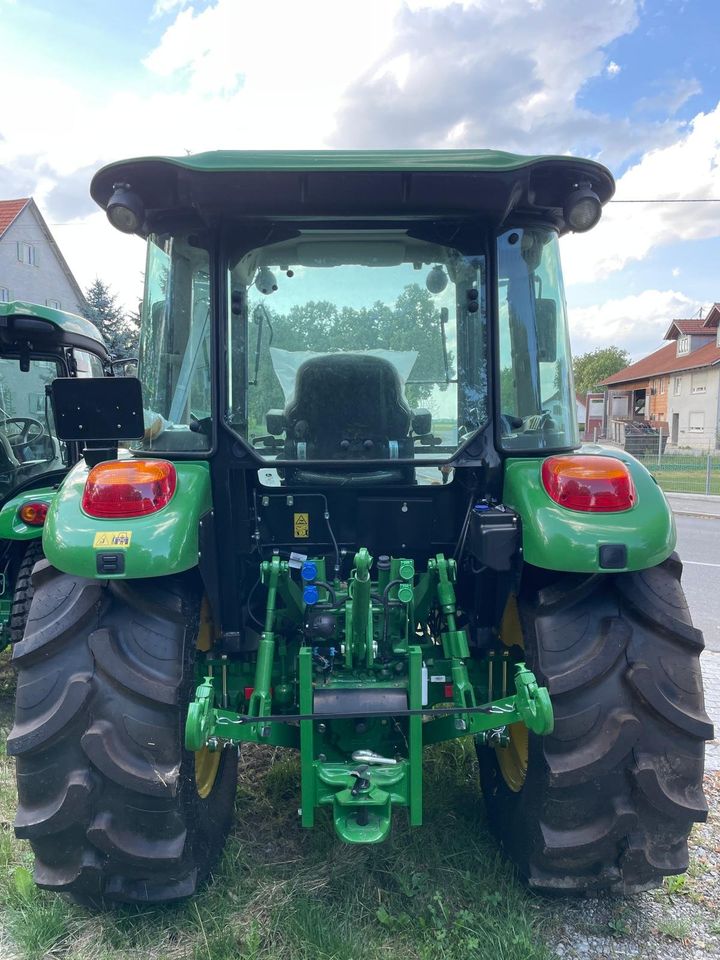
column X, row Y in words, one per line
column 699, row 549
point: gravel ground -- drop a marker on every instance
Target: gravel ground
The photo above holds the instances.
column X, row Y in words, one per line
column 710, row 663
column 679, row 922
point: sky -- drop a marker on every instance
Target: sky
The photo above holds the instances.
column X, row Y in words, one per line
column 634, row 84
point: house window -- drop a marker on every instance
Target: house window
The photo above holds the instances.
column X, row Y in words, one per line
column 55, row 304
column 683, row 345
column 677, row 386
column 27, row 253
column 662, row 385
column 4, row 295
column 699, row 382
column 697, row 422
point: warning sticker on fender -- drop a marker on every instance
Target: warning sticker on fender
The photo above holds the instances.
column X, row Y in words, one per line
column 301, row 524
column 112, row 540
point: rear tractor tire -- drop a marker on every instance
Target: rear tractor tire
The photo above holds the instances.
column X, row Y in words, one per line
column 22, row 597
column 607, row 801
column 114, row 807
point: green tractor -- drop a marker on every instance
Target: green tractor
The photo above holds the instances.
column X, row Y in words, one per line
column 351, row 515
column 37, row 344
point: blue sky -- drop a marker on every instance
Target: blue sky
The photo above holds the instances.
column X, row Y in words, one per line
column 633, row 84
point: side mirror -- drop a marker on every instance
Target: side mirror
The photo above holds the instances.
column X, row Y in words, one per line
column 124, row 367
column 546, row 329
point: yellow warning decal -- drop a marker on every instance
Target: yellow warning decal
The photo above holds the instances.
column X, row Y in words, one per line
column 112, row 540
column 301, row 523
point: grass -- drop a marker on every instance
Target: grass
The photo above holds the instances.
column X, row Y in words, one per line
column 675, row 929
column 439, row 892
column 685, row 474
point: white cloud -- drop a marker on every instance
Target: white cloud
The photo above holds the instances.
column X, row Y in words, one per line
column 93, row 249
column 637, row 323
column 689, row 169
column 613, row 69
column 292, row 60
column 673, row 95
column 675, row 271
column 282, row 75
column 163, row 7
column 507, row 73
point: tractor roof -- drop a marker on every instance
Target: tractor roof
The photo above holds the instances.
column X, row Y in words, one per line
column 370, row 184
column 19, row 317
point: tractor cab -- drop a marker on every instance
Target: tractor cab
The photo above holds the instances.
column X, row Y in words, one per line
column 37, row 345
column 355, row 322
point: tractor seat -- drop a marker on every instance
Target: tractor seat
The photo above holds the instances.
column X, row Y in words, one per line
column 349, row 407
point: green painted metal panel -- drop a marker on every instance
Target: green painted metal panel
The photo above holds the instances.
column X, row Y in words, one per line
column 467, row 181
column 560, row 539
column 68, row 322
column 11, row 526
column 162, row 543
column 229, row 161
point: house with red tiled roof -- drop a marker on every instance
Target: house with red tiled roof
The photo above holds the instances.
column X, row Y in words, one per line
column 31, row 264
column 676, row 388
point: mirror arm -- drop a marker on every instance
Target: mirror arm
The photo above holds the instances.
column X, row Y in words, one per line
column 259, row 309
column 443, row 320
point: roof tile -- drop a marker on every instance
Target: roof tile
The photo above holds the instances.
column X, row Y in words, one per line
column 666, row 360
column 9, row 210
column 696, row 326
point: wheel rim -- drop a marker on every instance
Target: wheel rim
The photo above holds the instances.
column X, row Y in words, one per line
column 207, row 763
column 513, row 759
column 206, row 770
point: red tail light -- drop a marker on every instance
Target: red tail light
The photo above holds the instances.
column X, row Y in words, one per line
column 128, row 488
column 33, row 513
column 592, row 484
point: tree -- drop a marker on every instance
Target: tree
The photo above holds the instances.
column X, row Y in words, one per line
column 119, row 331
column 412, row 322
column 591, row 368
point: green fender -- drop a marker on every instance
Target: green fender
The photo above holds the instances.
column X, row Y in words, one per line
column 11, row 526
column 560, row 539
column 156, row 545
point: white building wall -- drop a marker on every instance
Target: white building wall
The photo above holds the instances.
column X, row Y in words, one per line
column 46, row 280
column 689, row 406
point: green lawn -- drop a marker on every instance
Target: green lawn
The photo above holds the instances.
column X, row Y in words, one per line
column 678, row 474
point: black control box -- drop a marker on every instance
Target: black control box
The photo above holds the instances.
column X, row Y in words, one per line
column 495, row 537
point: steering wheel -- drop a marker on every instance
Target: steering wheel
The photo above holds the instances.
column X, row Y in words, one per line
column 25, row 436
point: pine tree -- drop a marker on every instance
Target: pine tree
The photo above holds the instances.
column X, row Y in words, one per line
column 119, row 331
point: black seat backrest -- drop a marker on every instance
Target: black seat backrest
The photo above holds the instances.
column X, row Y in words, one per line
column 344, row 397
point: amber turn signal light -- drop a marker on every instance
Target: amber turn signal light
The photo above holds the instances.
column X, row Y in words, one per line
column 128, row 488
column 589, row 483
column 33, row 513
